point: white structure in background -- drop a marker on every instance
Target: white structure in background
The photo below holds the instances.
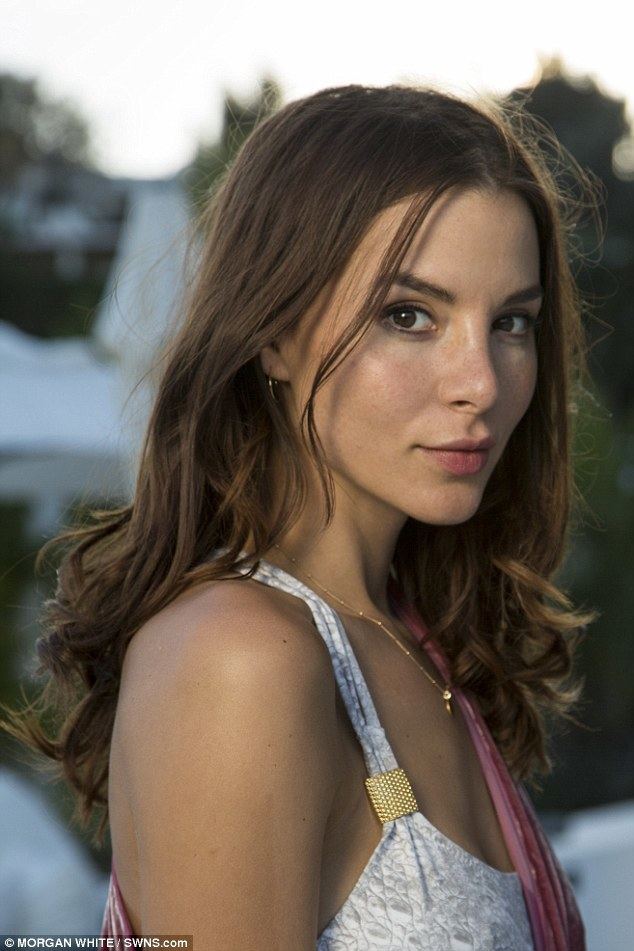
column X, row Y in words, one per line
column 59, row 429
column 66, row 434
column 141, row 299
column 71, row 420
column 47, row 884
column 596, row 847
column 65, row 212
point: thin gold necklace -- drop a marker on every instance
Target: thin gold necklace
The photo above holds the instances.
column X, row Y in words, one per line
column 446, row 692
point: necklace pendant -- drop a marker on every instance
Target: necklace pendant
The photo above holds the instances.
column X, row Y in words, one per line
column 447, row 698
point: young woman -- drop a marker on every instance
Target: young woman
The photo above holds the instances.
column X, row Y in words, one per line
column 317, row 649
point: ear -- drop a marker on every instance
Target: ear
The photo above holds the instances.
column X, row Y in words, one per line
column 273, row 362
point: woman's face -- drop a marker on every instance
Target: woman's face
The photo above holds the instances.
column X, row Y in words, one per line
column 436, row 366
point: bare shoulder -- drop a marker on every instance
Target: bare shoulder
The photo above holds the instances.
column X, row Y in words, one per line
column 230, row 624
column 227, row 634
column 228, row 731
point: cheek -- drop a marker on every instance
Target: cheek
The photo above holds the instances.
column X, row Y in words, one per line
column 369, row 402
column 517, row 386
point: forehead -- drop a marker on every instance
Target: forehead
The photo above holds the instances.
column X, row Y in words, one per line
column 469, row 235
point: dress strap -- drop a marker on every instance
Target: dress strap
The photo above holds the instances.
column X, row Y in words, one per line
column 377, row 751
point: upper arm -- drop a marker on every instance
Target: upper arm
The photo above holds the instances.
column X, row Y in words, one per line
column 230, row 757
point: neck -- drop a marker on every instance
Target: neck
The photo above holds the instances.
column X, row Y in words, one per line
column 378, row 603
column 351, row 556
column 377, row 615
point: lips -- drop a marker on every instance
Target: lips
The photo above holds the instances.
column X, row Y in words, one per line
column 458, row 461
column 466, row 444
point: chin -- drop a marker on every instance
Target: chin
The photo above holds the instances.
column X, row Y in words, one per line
column 446, row 513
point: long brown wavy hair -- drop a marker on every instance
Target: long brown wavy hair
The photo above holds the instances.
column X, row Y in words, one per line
column 282, row 222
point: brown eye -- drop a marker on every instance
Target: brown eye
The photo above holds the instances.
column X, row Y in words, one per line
column 407, row 317
column 531, row 322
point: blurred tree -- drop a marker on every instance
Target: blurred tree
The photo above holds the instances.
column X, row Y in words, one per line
column 16, row 571
column 594, row 127
column 34, row 126
column 598, row 766
column 51, row 272
column 212, row 159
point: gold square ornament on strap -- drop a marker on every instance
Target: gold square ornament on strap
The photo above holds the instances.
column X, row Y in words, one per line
column 391, row 794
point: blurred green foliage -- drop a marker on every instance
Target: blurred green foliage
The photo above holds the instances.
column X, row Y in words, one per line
column 16, row 570
column 41, row 303
column 44, row 140
column 594, row 128
column 596, row 766
column 213, row 159
column 36, row 126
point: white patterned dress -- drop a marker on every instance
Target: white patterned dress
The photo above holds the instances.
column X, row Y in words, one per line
column 420, row 891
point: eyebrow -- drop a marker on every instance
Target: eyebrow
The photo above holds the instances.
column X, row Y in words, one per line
column 407, row 279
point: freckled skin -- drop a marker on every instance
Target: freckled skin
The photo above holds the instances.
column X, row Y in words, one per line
column 470, row 373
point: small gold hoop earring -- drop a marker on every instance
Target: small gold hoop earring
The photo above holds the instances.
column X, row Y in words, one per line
column 271, row 381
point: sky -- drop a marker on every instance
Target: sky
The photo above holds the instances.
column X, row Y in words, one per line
column 150, row 77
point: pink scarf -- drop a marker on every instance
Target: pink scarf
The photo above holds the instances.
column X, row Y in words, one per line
column 555, row 919
column 554, row 915
column 115, row 923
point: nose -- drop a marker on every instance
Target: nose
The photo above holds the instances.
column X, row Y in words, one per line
column 468, row 376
